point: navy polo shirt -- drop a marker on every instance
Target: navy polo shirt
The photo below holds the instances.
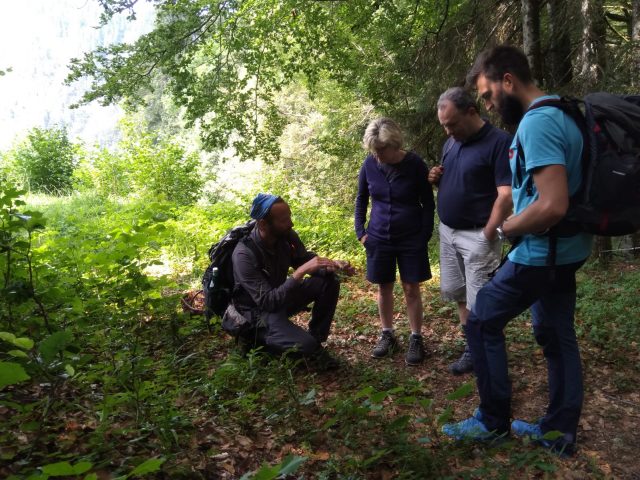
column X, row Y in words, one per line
column 472, row 171
column 401, row 199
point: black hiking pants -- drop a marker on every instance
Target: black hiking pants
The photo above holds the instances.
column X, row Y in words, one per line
column 281, row 334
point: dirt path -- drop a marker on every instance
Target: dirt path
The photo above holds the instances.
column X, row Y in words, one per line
column 609, row 430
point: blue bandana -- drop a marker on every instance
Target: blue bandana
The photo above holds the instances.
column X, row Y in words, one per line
column 261, row 205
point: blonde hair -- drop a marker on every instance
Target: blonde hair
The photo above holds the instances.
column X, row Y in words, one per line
column 382, row 132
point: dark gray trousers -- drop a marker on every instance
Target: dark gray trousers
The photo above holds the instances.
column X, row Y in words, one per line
column 281, row 334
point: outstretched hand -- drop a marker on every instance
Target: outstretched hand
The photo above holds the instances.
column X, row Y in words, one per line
column 312, row 266
column 345, row 267
column 318, row 263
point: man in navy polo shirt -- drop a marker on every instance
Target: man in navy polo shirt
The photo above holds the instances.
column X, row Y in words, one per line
column 474, row 197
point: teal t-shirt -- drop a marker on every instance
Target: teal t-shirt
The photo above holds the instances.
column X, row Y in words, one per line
column 548, row 137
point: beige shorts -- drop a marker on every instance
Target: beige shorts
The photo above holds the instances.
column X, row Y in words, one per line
column 466, row 260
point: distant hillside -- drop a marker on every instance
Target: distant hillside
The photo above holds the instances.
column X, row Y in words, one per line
column 39, row 37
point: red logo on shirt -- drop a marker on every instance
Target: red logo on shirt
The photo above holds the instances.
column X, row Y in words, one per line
column 511, row 152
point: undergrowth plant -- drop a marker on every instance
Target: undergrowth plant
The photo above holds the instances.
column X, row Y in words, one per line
column 102, row 373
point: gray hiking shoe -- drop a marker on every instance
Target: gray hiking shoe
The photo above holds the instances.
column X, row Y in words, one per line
column 415, row 352
column 386, row 345
column 464, row 364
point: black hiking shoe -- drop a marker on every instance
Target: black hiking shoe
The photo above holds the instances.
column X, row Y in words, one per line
column 464, row 364
column 415, row 353
column 553, row 441
column 386, row 345
column 323, row 361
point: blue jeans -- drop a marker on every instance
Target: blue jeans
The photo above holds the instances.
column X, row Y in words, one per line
column 551, row 294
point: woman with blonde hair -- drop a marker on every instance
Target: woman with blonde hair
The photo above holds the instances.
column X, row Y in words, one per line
column 399, row 228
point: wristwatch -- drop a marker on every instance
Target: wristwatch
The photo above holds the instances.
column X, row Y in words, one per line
column 501, row 234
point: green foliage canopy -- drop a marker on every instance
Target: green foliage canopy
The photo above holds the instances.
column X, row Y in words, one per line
column 226, row 60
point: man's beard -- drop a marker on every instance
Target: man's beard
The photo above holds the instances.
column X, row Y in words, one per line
column 279, row 233
column 511, row 110
column 283, row 235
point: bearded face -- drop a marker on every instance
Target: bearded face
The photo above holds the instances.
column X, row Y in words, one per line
column 278, row 222
column 509, row 108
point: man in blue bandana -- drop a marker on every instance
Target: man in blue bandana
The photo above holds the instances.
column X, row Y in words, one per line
column 266, row 292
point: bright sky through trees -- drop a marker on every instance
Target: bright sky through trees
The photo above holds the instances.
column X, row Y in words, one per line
column 39, row 37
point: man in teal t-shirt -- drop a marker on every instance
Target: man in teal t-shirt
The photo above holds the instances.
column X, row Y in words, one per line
column 549, row 137
column 550, row 171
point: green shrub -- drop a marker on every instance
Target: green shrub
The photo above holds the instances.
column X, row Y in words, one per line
column 159, row 166
column 104, row 172
column 45, row 160
column 165, row 169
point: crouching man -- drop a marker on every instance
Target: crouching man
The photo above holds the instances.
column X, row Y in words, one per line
column 265, row 292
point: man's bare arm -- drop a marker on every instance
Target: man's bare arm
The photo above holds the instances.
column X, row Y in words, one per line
column 550, row 207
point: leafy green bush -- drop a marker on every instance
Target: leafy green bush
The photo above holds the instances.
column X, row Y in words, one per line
column 167, row 170
column 45, row 160
column 160, row 166
column 142, row 165
column 104, row 172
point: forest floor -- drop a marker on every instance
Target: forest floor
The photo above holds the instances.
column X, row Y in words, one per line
column 199, row 410
column 608, row 434
column 609, row 429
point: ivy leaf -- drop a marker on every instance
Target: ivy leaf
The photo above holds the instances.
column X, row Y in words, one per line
column 63, row 469
column 552, row 435
column 290, row 464
column 444, row 416
column 60, row 469
column 463, row 391
column 24, row 343
column 17, row 354
column 265, row 473
column 82, row 467
column 9, row 337
column 20, row 342
column 53, row 344
column 148, row 466
column 11, row 373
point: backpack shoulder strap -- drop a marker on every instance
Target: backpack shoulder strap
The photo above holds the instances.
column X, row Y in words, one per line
column 520, row 164
column 571, row 107
column 251, row 245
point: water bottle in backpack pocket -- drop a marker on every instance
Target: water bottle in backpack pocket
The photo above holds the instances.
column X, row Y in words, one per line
column 216, row 295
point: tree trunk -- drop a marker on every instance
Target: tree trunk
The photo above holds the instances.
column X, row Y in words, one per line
column 531, row 37
column 560, row 44
column 593, row 37
column 635, row 37
column 602, row 250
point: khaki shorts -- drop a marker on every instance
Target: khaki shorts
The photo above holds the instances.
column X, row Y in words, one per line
column 466, row 260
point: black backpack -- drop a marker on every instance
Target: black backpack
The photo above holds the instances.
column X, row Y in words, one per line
column 608, row 201
column 218, row 282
